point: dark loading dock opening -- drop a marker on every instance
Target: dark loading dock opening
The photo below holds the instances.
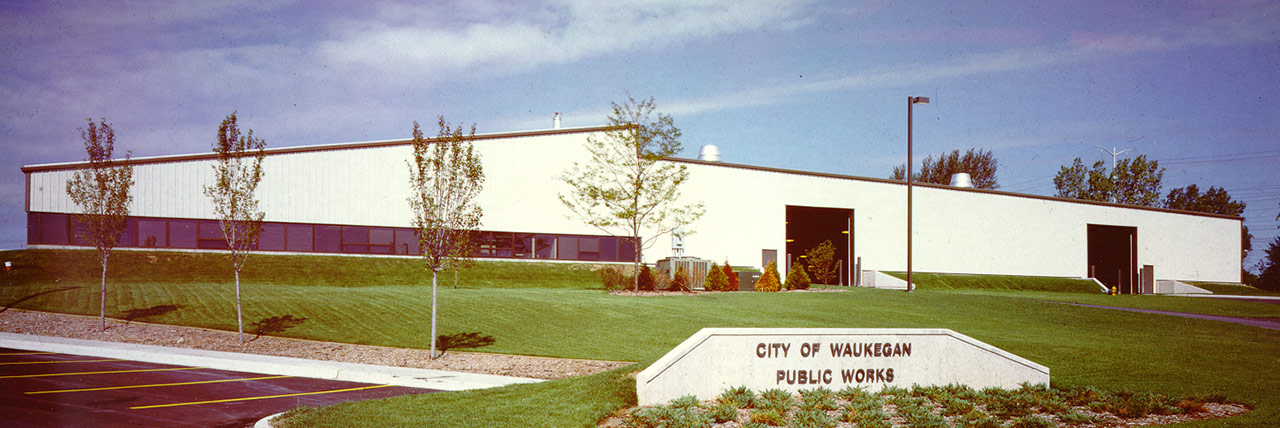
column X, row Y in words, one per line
column 1113, row 256
column 809, row 226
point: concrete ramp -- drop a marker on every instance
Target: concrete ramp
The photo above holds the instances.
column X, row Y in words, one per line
column 1169, row 286
column 877, row 279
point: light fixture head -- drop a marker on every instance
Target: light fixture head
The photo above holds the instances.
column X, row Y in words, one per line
column 920, row 100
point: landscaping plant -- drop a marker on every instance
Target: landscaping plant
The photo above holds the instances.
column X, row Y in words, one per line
column 769, row 281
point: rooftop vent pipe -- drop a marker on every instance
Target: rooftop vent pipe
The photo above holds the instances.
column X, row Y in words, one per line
column 709, row 153
column 961, row 179
column 555, row 123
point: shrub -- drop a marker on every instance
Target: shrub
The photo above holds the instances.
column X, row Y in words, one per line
column 767, row 417
column 955, row 407
column 797, row 279
column 731, row 275
column 769, row 281
column 716, row 280
column 775, row 399
column 687, row 417
column 647, row 281
column 648, row 417
column 687, row 401
column 854, row 395
column 615, row 279
column 739, row 397
column 812, row 418
column 721, row 413
column 1075, row 418
column 977, row 419
column 1033, row 421
column 818, row 399
column 680, row 282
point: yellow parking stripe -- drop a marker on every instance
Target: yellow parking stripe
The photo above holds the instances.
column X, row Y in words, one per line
column 14, row 363
column 93, row 373
column 106, row 388
column 229, row 400
column 26, row 353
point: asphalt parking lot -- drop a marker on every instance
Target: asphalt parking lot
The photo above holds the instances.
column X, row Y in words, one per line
column 41, row 389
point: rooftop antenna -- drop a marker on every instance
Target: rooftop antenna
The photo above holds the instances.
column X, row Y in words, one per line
column 1113, row 154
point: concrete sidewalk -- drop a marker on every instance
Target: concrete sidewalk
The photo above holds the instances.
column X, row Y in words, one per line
column 365, row 373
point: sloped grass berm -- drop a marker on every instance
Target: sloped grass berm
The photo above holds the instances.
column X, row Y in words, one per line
column 81, row 267
column 1105, row 349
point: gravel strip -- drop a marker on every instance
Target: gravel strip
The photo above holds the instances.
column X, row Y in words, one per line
column 82, row 327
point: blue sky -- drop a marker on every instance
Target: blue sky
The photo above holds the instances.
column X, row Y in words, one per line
column 818, row 86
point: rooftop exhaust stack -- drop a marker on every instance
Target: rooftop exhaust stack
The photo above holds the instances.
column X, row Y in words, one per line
column 961, row 179
column 709, row 153
column 555, row 123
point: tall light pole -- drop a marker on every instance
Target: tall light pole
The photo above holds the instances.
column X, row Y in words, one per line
column 911, row 101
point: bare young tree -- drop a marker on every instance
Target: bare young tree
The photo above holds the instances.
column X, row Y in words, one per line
column 625, row 190
column 445, row 177
column 236, row 175
column 101, row 191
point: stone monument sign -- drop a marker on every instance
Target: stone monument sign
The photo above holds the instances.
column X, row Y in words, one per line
column 793, row 359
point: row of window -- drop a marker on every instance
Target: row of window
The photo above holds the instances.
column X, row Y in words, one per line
column 151, row 232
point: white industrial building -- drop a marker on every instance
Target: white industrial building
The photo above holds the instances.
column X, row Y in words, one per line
column 351, row 198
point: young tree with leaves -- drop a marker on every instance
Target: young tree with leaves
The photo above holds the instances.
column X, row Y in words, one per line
column 1134, row 181
column 822, row 262
column 445, row 177
column 979, row 164
column 101, row 191
column 626, row 190
column 237, row 172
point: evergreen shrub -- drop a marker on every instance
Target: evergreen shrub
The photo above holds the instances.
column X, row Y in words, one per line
column 797, row 279
column 769, row 281
column 680, row 282
column 716, row 279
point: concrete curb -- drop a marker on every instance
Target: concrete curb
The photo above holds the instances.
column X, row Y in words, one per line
column 1228, row 296
column 265, row 364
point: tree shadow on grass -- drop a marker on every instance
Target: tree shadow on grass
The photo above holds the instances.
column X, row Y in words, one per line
column 157, row 310
column 274, row 325
column 15, row 302
column 446, row 342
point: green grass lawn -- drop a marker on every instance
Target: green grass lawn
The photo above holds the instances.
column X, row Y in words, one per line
column 564, row 318
column 1231, row 289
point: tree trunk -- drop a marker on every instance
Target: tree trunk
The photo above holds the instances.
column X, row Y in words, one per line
column 102, row 300
column 433, row 314
column 239, row 318
column 455, row 276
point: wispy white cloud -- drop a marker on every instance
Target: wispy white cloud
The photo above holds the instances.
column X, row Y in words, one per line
column 568, row 31
column 1246, row 25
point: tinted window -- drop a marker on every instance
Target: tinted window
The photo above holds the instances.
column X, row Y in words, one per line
column 182, row 233
column 328, row 239
column 567, row 247
column 609, row 249
column 272, row 237
column 151, row 233
column 33, row 228
column 298, row 237
column 625, row 252
column 129, row 236
column 355, row 235
column 544, row 246
column 523, row 246
column 53, row 228
column 406, row 242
